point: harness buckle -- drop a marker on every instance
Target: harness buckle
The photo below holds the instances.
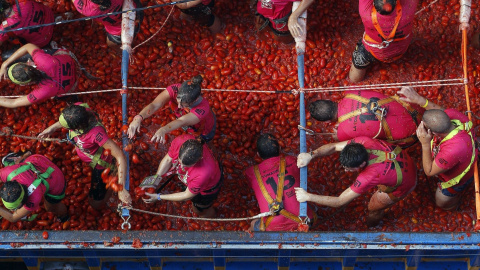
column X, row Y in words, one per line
column 374, row 108
column 391, row 156
column 275, row 208
column 385, row 44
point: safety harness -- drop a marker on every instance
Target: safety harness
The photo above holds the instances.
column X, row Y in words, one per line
column 41, row 179
column 382, row 157
column 386, row 40
column 459, row 127
column 375, row 107
column 276, row 206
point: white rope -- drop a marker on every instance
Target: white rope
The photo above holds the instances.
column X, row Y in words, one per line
column 161, row 27
column 421, row 10
column 373, row 86
column 318, row 90
column 8, row 133
column 266, row 214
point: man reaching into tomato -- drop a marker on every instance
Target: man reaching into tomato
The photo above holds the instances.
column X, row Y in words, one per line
column 27, row 178
column 275, row 175
column 197, row 168
column 371, row 114
column 192, row 110
column 448, row 149
column 388, row 33
column 90, row 138
column 378, row 163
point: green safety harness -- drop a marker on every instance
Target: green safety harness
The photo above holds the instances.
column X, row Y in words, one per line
column 383, row 156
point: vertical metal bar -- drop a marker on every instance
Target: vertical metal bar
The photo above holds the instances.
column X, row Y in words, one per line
column 303, row 123
column 125, row 61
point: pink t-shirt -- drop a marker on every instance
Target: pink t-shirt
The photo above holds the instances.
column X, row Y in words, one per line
column 274, row 9
column 90, row 142
column 62, row 72
column 269, row 169
column 399, row 120
column 33, row 13
column 201, row 110
column 201, row 178
column 387, row 22
column 112, row 23
column 384, row 173
column 455, row 154
column 41, row 163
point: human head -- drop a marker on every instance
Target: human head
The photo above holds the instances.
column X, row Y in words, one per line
column 384, row 7
column 3, row 5
column 353, row 155
column 190, row 152
column 190, row 90
column 323, row 110
column 75, row 117
column 437, row 121
column 13, row 194
column 267, row 146
column 22, row 74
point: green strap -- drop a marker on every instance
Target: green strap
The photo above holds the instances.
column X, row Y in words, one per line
column 96, row 160
column 383, row 156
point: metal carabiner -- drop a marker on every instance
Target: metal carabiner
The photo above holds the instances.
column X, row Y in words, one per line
column 126, row 223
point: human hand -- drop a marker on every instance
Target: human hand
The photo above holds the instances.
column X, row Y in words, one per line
column 411, row 95
column 46, row 133
column 302, row 195
column 153, row 197
column 424, row 135
column 134, row 126
column 159, row 136
column 303, row 159
column 3, row 71
column 124, row 196
column 294, row 26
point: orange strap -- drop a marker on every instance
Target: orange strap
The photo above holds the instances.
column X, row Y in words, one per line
column 398, row 8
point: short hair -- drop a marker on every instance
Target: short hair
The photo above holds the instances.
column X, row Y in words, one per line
column 190, row 90
column 437, row 121
column 384, row 7
column 190, row 152
column 353, row 155
column 12, row 190
column 4, row 5
column 267, row 146
column 323, row 110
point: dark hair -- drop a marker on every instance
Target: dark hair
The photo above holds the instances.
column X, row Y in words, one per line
column 78, row 117
column 384, row 7
column 267, row 146
column 190, row 90
column 190, row 152
column 353, row 155
column 4, row 5
column 24, row 73
column 11, row 190
column 104, row 4
column 323, row 110
column 437, row 121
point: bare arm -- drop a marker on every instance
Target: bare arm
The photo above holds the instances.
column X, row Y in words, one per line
column 117, row 152
column 325, row 150
column 165, row 165
column 425, row 137
column 148, row 111
column 189, row 4
column 346, row 197
column 15, row 216
column 186, row 120
column 27, row 48
column 48, row 131
column 410, row 95
column 14, row 102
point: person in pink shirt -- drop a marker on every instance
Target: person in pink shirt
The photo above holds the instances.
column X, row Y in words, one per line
column 448, row 149
column 371, row 114
column 201, row 11
column 31, row 14
column 277, row 17
column 53, row 75
column 27, row 178
column 388, row 33
column 268, row 171
column 91, row 139
column 378, row 163
column 193, row 112
column 198, row 170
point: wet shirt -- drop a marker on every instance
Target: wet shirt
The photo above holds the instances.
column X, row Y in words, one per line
column 455, row 154
column 201, row 178
column 112, row 23
column 384, row 173
column 269, row 170
column 90, row 142
column 62, row 72
column 274, row 9
column 399, row 120
column 201, row 110
column 387, row 23
column 41, row 163
column 32, row 13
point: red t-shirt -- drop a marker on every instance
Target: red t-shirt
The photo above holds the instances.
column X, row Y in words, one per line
column 455, row 154
column 398, row 118
column 201, row 110
column 62, row 72
column 387, row 22
column 33, row 13
column 269, row 169
column 384, row 173
column 202, row 177
column 41, row 163
column 112, row 23
column 274, row 10
column 90, row 142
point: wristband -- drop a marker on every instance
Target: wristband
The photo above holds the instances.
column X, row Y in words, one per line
column 139, row 115
column 426, row 104
column 158, row 197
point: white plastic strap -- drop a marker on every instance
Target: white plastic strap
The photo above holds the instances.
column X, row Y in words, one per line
column 465, row 10
column 128, row 25
column 302, row 21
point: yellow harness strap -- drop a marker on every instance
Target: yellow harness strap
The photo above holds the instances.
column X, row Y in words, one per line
column 383, row 156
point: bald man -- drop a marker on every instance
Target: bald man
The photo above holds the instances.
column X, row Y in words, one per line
column 448, row 148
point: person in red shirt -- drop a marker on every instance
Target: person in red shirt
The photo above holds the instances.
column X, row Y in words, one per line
column 371, row 114
column 27, row 178
column 378, row 163
column 448, row 149
column 268, row 171
column 201, row 11
column 193, row 112
column 198, row 170
column 388, row 33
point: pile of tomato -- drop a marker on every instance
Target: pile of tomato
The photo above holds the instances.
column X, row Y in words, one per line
column 238, row 59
